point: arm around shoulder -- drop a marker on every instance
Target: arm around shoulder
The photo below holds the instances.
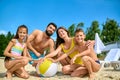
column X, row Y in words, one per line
column 84, row 53
column 52, row 45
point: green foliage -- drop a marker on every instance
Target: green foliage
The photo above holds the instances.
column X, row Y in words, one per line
column 73, row 27
column 4, row 40
column 111, row 31
column 80, row 25
column 102, row 55
column 71, row 30
column 94, row 28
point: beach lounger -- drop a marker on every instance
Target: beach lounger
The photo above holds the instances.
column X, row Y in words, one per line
column 115, row 65
column 99, row 46
column 112, row 59
column 112, row 56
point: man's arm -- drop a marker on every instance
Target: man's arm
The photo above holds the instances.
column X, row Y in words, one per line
column 30, row 39
column 52, row 45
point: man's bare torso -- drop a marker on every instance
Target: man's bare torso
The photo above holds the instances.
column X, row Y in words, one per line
column 40, row 43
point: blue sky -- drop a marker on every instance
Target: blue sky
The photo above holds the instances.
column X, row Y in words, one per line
column 36, row 14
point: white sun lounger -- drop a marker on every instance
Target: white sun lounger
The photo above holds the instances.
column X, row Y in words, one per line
column 113, row 55
column 112, row 59
column 99, row 46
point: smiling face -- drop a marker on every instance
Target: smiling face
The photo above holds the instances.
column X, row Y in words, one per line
column 79, row 36
column 62, row 33
column 50, row 30
column 22, row 32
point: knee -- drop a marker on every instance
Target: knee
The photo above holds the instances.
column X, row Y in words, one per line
column 85, row 58
column 24, row 61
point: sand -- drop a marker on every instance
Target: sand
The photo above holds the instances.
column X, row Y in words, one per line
column 104, row 74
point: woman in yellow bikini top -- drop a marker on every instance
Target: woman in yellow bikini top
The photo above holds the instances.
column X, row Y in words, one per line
column 78, row 60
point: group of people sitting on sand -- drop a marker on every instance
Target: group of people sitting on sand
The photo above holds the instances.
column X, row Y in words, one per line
column 76, row 55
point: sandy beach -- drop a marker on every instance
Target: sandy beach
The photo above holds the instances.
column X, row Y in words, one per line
column 104, row 74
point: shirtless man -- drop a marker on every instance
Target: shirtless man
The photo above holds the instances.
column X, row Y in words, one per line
column 39, row 41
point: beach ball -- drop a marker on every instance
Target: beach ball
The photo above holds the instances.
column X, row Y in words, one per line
column 47, row 68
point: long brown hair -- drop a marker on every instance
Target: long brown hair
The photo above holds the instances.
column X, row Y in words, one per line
column 21, row 26
column 60, row 40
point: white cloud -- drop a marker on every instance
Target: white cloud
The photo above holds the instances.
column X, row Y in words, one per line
column 3, row 32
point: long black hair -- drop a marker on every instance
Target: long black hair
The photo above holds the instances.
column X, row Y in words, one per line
column 60, row 40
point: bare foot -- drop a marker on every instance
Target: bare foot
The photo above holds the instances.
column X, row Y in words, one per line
column 9, row 75
column 91, row 76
